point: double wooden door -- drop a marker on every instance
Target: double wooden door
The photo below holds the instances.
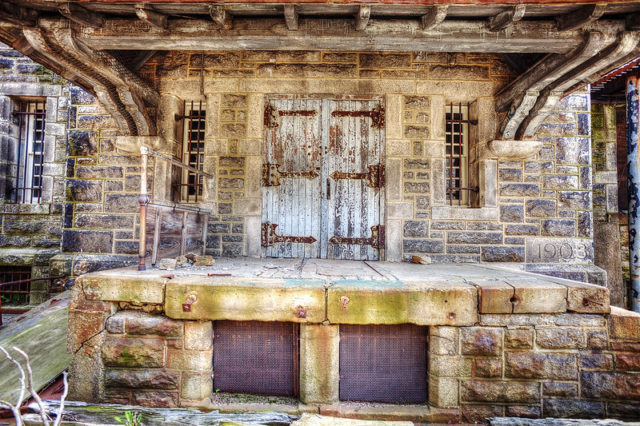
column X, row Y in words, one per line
column 323, row 179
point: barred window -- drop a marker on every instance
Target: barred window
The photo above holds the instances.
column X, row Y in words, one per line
column 457, row 154
column 29, row 152
column 193, row 151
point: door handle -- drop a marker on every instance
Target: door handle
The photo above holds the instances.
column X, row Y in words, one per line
column 328, row 188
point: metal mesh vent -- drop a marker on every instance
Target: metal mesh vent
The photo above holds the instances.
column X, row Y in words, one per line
column 256, row 357
column 383, row 363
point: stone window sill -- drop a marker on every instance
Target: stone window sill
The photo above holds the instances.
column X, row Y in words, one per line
column 43, row 208
column 464, row 213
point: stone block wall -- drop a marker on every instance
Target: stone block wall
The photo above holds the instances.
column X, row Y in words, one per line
column 535, row 210
column 30, row 232
column 566, row 365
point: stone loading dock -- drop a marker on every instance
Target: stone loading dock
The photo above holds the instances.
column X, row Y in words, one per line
column 501, row 342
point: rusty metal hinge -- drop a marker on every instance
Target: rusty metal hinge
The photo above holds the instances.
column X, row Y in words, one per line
column 376, row 240
column 271, row 174
column 374, row 176
column 271, row 115
column 376, row 115
column 270, row 237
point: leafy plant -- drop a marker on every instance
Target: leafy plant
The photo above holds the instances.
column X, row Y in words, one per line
column 130, row 419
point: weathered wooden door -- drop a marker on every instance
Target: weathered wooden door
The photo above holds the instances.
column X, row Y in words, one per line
column 353, row 169
column 322, row 179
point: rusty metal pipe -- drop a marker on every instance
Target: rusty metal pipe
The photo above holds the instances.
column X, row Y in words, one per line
column 144, row 201
column 633, row 163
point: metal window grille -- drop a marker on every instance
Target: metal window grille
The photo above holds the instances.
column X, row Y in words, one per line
column 256, row 357
column 383, row 363
column 193, row 151
column 30, row 151
column 15, row 294
column 457, row 154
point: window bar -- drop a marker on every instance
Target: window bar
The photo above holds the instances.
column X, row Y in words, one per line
column 20, row 133
column 196, row 178
column 460, row 154
column 450, row 185
column 26, row 154
column 43, row 116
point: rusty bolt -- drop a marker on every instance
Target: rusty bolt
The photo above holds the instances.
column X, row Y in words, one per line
column 186, row 306
column 301, row 311
column 345, row 301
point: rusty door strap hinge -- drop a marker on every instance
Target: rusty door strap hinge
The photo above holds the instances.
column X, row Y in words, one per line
column 271, row 115
column 374, row 176
column 270, row 237
column 271, row 174
column 376, row 115
column 376, row 240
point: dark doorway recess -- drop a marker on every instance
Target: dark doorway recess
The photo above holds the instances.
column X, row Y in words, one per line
column 383, row 363
column 256, row 357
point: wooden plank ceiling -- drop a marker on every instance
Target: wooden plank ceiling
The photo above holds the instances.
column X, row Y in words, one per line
column 555, row 45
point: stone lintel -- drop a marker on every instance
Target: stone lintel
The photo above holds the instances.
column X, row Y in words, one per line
column 245, row 299
column 537, row 297
column 396, row 302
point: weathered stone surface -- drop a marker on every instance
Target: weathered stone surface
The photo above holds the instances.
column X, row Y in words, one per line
column 558, row 227
column 540, row 208
column 136, row 322
column 575, row 199
column 539, row 297
column 481, row 341
column 377, row 302
column 616, row 386
column 180, row 359
column 587, row 298
column 87, row 241
column 487, row 367
column 533, row 365
column 443, row 391
column 627, row 362
column 414, row 228
column 474, row 413
column 167, row 264
column 244, row 300
column 319, row 364
column 511, row 213
column 560, row 338
column 572, row 408
column 132, row 352
column 203, row 261
column 474, row 237
column 121, row 203
column 119, row 286
column 196, row 386
column 85, row 191
column 519, row 190
column 597, row 362
column 624, row 325
column 423, row 246
column 150, row 378
column 523, row 411
column 156, row 399
column 503, row 254
column 443, row 340
column 518, row 339
column 563, row 390
column 499, row 391
column 198, row 335
column 82, row 143
column 495, row 297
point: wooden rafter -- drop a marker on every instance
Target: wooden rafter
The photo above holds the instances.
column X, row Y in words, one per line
column 583, row 16
column 80, row 15
column 146, row 14
column 434, row 16
column 362, row 17
column 506, row 18
column 291, row 16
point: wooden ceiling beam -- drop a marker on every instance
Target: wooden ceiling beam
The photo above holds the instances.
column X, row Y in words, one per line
column 18, row 15
column 362, row 17
column 583, row 16
column 156, row 19
column 339, row 34
column 632, row 22
column 80, row 15
column 506, row 18
column 291, row 16
column 434, row 16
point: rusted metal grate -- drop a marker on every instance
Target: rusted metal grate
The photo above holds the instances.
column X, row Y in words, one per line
column 18, row 293
column 383, row 363
column 30, row 151
column 256, row 357
column 457, row 154
column 193, row 151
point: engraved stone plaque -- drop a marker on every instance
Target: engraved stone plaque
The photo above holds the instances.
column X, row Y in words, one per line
column 558, row 250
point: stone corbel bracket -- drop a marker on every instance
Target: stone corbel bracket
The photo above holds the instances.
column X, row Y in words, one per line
column 508, row 149
column 123, row 94
column 530, row 98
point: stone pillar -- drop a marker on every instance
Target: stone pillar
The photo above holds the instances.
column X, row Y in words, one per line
column 606, row 242
column 319, row 364
column 633, row 162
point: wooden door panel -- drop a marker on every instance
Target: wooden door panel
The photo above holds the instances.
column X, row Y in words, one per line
column 291, row 202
